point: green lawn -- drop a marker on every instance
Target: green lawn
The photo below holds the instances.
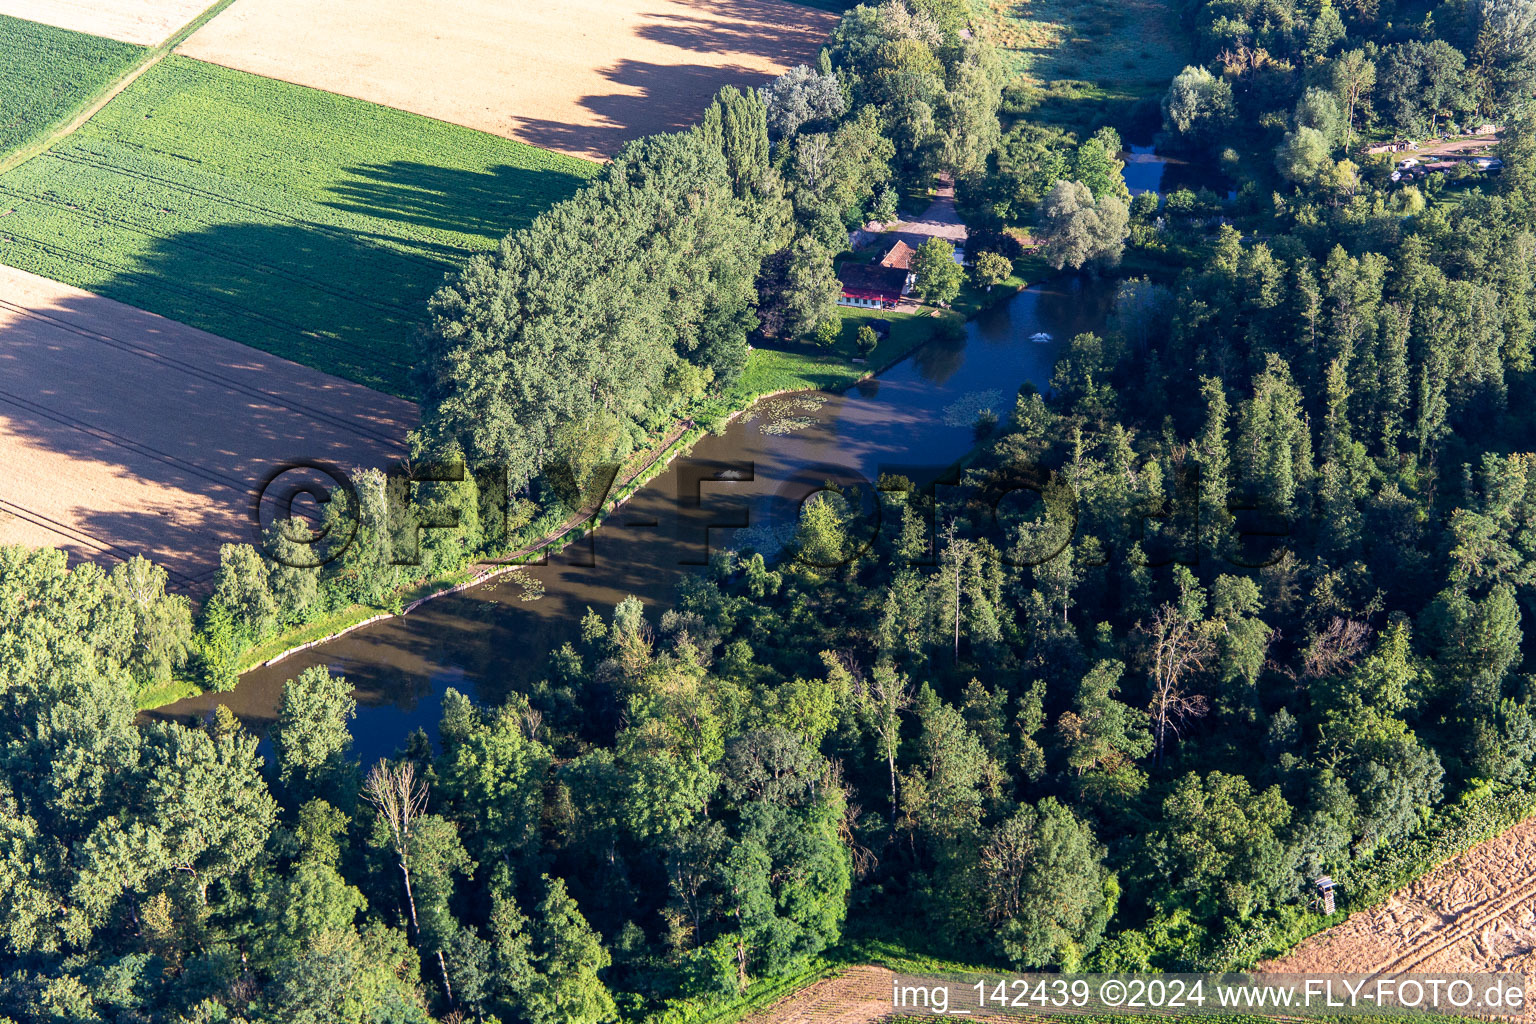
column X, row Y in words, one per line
column 48, row 74
column 300, row 222
column 802, row 368
column 1084, row 107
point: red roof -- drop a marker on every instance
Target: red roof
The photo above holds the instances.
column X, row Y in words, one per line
column 900, row 256
column 862, row 281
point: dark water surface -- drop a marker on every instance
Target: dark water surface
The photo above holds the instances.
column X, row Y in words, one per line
column 487, row 641
column 1143, row 170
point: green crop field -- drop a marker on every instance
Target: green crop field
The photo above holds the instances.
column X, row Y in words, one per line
column 47, row 74
column 300, row 222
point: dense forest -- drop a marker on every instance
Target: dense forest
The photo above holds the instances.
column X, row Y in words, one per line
column 1236, row 600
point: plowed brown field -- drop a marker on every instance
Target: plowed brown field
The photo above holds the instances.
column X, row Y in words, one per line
column 576, row 76
column 124, row 433
column 146, row 22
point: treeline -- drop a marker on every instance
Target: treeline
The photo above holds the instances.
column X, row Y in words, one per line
column 1306, row 84
column 378, row 534
column 625, row 308
column 622, row 308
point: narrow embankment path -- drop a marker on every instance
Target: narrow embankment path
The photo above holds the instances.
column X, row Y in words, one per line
column 152, row 56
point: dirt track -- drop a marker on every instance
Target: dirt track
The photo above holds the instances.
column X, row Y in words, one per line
column 576, row 76
column 146, row 22
column 125, row 433
column 860, row 995
column 1476, row 913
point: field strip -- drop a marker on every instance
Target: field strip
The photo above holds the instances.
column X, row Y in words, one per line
column 123, row 432
column 203, row 297
column 578, row 77
column 1462, row 928
column 72, row 533
column 75, row 535
column 140, row 23
column 151, row 58
column 126, row 318
column 194, row 293
column 859, row 995
column 119, row 441
column 196, row 371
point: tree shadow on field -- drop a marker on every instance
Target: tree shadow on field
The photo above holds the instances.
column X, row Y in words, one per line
column 318, row 296
column 661, row 98
column 784, row 33
column 487, row 204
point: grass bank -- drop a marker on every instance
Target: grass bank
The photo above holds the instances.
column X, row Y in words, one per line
column 804, row 368
column 549, row 534
column 838, row 367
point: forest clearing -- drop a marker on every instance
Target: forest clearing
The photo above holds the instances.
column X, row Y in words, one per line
column 579, row 77
column 1099, row 41
column 124, row 433
column 305, row 224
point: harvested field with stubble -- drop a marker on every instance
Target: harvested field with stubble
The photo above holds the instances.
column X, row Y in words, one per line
column 146, row 22
column 580, row 77
column 1475, row 913
column 123, row 433
column 859, row 995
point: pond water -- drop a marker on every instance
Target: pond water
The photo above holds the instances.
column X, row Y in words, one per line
column 487, row 641
column 1147, row 171
column 1143, row 170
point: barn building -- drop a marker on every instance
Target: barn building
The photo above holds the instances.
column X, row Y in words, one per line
column 872, row 287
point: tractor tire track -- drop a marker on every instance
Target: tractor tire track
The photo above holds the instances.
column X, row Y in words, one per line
column 201, row 373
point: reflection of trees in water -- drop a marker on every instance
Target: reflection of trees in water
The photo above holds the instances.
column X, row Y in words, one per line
column 1193, row 175
column 938, row 360
column 994, row 325
column 1072, row 305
